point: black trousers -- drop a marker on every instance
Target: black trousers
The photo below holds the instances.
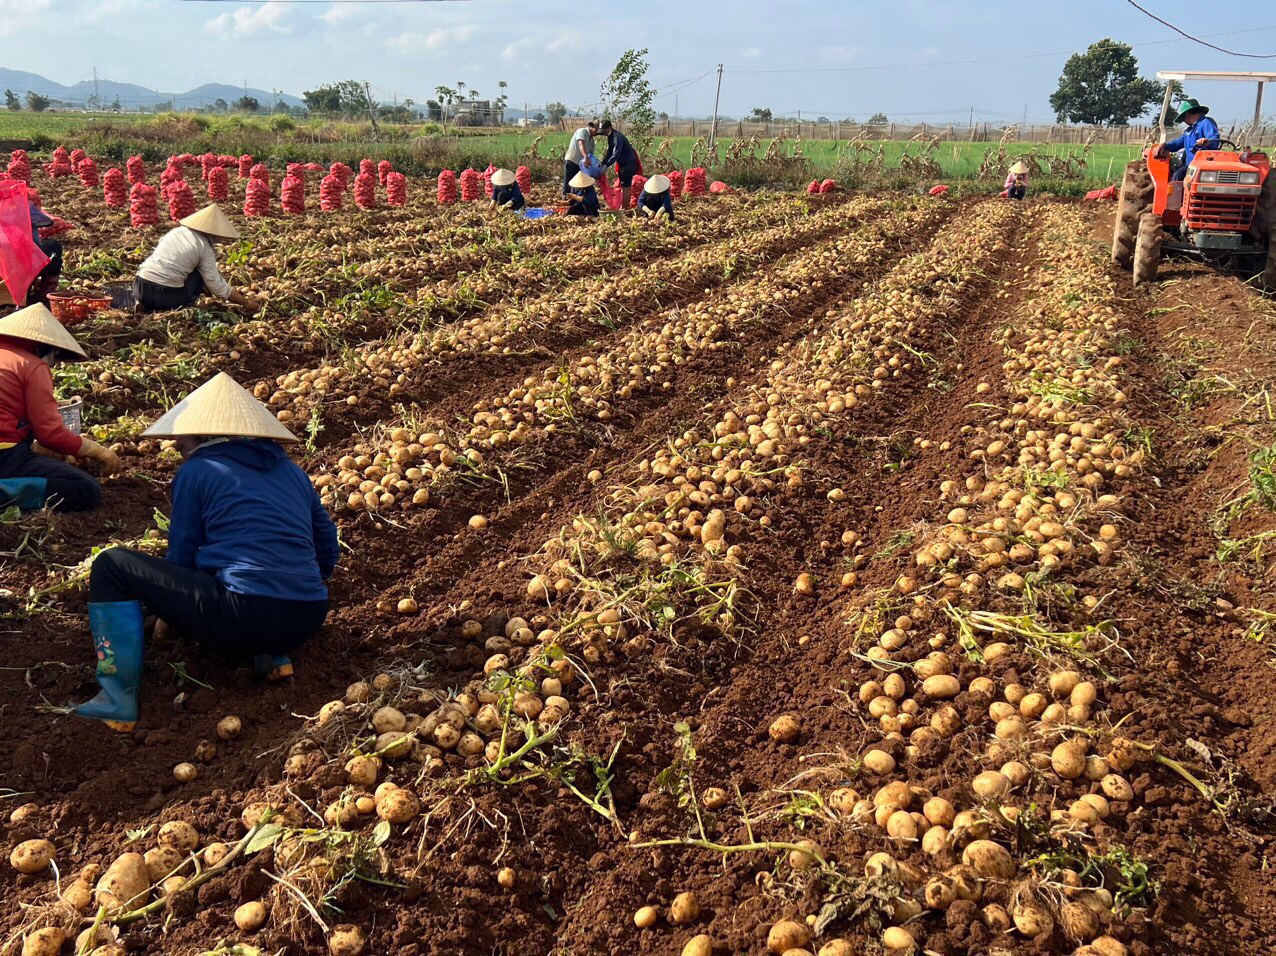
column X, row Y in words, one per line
column 47, row 279
column 570, row 170
column 1017, row 192
column 69, row 489
column 160, row 298
column 195, row 603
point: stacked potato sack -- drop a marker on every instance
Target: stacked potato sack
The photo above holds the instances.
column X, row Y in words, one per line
column 636, row 191
column 384, row 169
column 675, row 184
column 261, row 173
column 471, row 185
column 143, row 205
column 316, row 168
column 292, row 195
column 343, row 171
column 181, row 201
column 136, row 170
column 365, row 189
column 828, row 186
column 87, row 171
column 487, row 179
column 331, row 192
column 718, row 188
column 814, row 188
column 523, row 176
column 218, row 184
column 115, row 189
column 60, row 165
column 447, row 187
column 171, row 174
column 694, row 182
column 257, row 197
column 396, row 189
column 245, row 166
column 78, row 156
column 229, row 162
column 297, row 170
column 207, row 163
column 366, row 168
column 20, row 166
column 185, row 159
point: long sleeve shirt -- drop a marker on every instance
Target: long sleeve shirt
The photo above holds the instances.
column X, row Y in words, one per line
column 1203, row 134
column 181, row 252
column 657, row 202
column 508, row 194
column 582, row 145
column 1013, row 178
column 28, row 407
column 588, row 205
column 620, row 152
column 245, row 513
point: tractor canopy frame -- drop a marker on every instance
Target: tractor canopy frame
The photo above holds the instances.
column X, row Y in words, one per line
column 1193, row 76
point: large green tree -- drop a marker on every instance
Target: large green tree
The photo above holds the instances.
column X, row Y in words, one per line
column 1102, row 87
column 627, row 96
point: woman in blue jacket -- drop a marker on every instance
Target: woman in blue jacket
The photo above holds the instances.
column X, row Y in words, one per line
column 249, row 549
column 583, row 197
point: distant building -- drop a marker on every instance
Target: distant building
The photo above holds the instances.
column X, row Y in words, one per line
column 478, row 113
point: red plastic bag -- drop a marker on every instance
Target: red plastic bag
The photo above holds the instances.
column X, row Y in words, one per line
column 20, row 258
column 940, row 190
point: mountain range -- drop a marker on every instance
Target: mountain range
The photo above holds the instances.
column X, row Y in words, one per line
column 131, row 95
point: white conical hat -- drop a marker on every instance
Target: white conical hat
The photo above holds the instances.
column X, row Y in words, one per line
column 36, row 323
column 657, row 185
column 1019, row 168
column 223, row 408
column 581, row 180
column 503, row 177
column 211, row 221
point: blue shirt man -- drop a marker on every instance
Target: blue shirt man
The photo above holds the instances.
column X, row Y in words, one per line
column 1201, row 133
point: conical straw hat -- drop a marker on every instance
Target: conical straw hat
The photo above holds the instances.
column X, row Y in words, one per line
column 1019, row 168
column 503, row 177
column 211, row 221
column 657, row 185
column 221, row 407
column 581, row 180
column 36, row 323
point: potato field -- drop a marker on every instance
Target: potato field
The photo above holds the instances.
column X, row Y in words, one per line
column 838, row 574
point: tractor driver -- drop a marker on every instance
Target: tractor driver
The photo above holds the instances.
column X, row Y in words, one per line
column 1201, row 133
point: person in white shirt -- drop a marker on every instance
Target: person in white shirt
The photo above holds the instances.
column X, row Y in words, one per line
column 579, row 149
column 184, row 265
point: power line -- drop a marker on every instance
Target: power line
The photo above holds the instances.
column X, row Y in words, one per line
column 373, row 2
column 994, row 59
column 1184, row 33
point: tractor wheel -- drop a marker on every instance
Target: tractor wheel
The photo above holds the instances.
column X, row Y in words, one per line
column 1265, row 213
column 1136, row 198
column 1147, row 248
column 1269, row 272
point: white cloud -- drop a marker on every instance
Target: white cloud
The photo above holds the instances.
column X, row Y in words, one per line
column 437, row 39
column 516, row 49
column 839, row 54
column 17, row 14
column 247, row 21
column 562, row 44
column 339, row 13
column 750, row 53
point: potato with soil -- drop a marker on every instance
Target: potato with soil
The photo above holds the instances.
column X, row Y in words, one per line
column 346, row 940
column 125, row 885
column 785, row 935
column 44, row 942
column 32, row 856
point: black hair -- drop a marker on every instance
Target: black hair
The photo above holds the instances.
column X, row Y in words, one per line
column 606, row 126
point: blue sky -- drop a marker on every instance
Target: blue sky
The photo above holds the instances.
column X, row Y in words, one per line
column 892, row 56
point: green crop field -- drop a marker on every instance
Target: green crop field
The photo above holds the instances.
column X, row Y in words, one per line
column 262, row 136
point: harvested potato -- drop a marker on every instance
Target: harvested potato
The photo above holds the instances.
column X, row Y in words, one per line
column 896, row 939
column 785, row 935
column 44, row 942
column 163, row 861
column 785, row 729
column 506, row 878
column 701, row 945
column 185, row 772
column 78, row 895
column 346, row 940
column 228, row 728
column 125, row 885
column 398, row 806
column 991, row 860
column 645, row 916
column 684, row 909
column 837, row 947
column 179, row 835
column 251, row 916
column 32, row 856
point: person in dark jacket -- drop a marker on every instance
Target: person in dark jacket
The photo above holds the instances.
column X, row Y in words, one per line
column 250, row 548
column 624, row 157
column 656, row 200
column 505, row 191
column 46, row 282
column 583, row 196
column 29, row 339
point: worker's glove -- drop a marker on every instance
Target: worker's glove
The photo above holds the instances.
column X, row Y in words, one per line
column 109, row 461
column 508, row 205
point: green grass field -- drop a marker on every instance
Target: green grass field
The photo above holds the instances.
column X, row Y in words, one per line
column 958, row 160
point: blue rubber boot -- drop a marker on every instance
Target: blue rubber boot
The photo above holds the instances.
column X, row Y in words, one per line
column 273, row 667
column 27, row 493
column 117, row 638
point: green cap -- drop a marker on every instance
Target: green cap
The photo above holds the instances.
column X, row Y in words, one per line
column 1187, row 106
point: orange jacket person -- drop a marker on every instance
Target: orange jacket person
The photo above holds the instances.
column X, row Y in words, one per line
column 29, row 339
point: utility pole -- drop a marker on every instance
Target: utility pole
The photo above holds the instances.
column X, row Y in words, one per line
column 717, row 97
column 376, row 132
column 97, row 93
column 972, row 117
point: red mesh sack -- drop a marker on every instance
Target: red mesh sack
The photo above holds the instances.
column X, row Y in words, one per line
column 365, row 189
column 384, row 169
column 87, row 171
column 693, row 182
column 218, row 184
column 447, row 187
column 260, row 172
column 471, row 185
column 170, row 175
column 487, row 178
column 675, row 185
column 256, row 197
column 206, row 164
column 316, row 168
column 366, row 168
column 181, row 201
column 292, row 195
column 297, row 170
column 143, row 209
column 523, row 176
column 636, row 191
column 58, row 170
column 78, row 156
column 828, row 186
column 718, row 188
column 331, row 191
column 245, row 166
column 61, row 156
column 19, row 166
column 342, row 170
column 396, row 189
column 136, row 170
column 814, row 188
column 185, row 159
column 115, row 189
column 230, row 162
column 940, row 190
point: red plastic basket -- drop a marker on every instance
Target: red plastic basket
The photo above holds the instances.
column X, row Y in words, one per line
column 72, row 308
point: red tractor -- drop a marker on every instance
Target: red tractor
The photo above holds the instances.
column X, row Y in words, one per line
column 1223, row 211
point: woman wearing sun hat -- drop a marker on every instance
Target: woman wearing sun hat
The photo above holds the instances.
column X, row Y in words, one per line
column 1201, row 133
column 249, row 551
column 184, row 265
column 583, row 196
column 656, row 199
column 1017, row 181
column 29, row 339
column 505, row 191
